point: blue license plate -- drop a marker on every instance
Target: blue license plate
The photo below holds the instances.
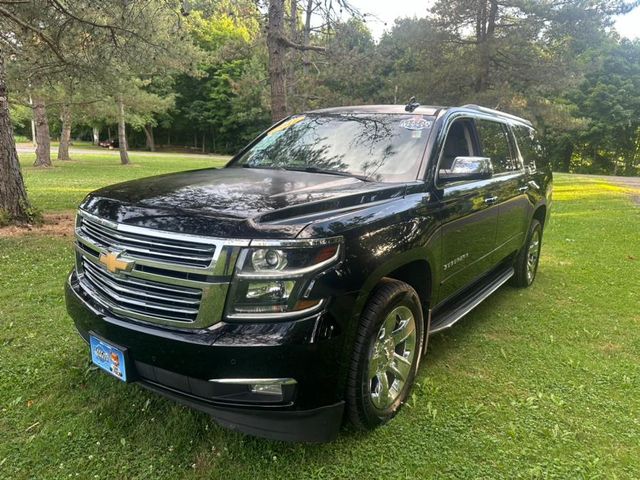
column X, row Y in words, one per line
column 108, row 358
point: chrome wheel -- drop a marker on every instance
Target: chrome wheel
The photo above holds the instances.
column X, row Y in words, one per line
column 392, row 356
column 533, row 252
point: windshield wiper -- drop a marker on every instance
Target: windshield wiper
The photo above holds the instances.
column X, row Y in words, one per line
column 312, row 169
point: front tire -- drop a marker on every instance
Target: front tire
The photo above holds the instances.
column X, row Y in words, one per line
column 386, row 354
column 526, row 263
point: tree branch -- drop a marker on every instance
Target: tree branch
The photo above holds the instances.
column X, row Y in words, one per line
column 298, row 46
column 45, row 38
column 112, row 28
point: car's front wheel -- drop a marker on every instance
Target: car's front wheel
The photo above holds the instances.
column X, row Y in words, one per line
column 387, row 352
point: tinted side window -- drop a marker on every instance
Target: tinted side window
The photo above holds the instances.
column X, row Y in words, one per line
column 528, row 144
column 495, row 145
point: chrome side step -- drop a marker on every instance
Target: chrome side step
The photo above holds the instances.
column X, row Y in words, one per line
column 448, row 318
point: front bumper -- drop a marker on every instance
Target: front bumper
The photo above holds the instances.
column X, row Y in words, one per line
column 179, row 364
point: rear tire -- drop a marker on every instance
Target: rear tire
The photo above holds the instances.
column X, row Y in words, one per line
column 386, row 354
column 526, row 263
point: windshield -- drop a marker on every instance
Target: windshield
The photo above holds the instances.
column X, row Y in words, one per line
column 374, row 147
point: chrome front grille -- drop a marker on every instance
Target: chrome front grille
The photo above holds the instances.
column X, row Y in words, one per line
column 148, row 247
column 176, row 280
column 144, row 297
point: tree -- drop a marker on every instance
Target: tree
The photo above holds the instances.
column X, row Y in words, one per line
column 277, row 49
column 521, row 49
column 43, row 141
column 14, row 205
column 227, row 103
column 145, row 102
column 66, row 103
column 278, row 42
column 607, row 100
column 65, row 134
column 108, row 40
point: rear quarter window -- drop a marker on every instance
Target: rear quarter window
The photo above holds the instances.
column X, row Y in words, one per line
column 529, row 146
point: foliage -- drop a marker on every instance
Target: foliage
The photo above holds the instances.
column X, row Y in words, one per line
column 608, row 99
column 225, row 102
column 21, row 116
column 536, row 383
column 198, row 71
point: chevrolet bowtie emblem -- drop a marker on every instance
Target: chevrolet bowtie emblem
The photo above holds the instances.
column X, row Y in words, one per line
column 114, row 263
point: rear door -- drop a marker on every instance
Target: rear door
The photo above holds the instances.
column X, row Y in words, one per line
column 509, row 186
column 468, row 216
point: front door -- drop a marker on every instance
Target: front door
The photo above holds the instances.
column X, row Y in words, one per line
column 468, row 217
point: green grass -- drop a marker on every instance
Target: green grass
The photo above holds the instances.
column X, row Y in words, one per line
column 535, row 383
column 64, row 186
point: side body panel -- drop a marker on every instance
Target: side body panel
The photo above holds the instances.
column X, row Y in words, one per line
column 468, row 226
column 513, row 213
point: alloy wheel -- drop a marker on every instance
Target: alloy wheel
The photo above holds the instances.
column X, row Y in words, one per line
column 392, row 356
column 533, row 252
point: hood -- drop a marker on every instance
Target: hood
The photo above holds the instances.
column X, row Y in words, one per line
column 235, row 202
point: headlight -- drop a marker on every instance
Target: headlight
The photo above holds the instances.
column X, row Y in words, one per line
column 273, row 279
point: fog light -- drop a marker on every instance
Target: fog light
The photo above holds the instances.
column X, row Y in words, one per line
column 267, row 389
column 255, row 390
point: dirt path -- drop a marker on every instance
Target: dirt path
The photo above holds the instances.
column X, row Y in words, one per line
column 28, row 148
column 54, row 225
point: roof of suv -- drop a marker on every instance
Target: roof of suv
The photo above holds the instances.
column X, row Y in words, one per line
column 421, row 110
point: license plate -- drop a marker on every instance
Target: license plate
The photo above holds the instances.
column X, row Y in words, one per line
column 108, row 358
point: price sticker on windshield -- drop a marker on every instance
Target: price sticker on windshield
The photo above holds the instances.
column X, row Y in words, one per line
column 416, row 124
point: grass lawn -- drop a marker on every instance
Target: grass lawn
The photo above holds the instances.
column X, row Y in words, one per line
column 536, row 383
column 64, row 186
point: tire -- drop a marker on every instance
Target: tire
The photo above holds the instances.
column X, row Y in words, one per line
column 397, row 303
column 526, row 263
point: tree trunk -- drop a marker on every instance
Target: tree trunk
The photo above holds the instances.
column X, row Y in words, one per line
column 33, row 124
column 65, row 135
column 96, row 136
column 485, row 32
column 277, row 70
column 43, row 141
column 151, row 143
column 306, row 35
column 204, row 143
column 14, row 205
column 293, row 55
column 122, row 134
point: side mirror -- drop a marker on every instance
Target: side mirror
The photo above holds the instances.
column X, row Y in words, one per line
column 467, row 168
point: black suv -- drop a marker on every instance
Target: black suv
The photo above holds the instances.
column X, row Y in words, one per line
column 298, row 285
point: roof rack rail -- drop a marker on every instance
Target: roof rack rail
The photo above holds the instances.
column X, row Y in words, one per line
column 472, row 106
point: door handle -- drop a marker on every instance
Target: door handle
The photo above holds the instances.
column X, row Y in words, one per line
column 523, row 189
column 490, row 200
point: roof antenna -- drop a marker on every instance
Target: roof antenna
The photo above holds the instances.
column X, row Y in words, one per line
column 412, row 105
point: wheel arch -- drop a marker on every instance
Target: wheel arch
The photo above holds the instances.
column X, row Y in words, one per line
column 540, row 214
column 414, row 268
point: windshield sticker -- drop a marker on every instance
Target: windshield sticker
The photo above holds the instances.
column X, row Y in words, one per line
column 417, row 124
column 285, row 125
column 416, row 134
